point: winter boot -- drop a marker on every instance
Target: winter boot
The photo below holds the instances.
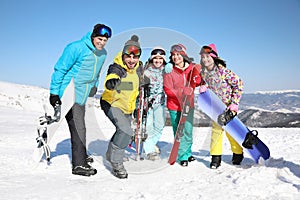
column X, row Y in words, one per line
column 119, row 171
column 84, row 170
column 237, row 158
column 191, row 158
column 89, row 159
column 152, row 156
column 157, row 149
column 184, row 163
column 215, row 162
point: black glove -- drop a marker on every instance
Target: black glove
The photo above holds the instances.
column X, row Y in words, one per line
column 145, row 82
column 54, row 100
column 150, row 103
column 111, row 84
column 93, row 91
column 135, row 114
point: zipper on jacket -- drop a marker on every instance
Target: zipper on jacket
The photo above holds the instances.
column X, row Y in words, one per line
column 93, row 76
column 95, row 66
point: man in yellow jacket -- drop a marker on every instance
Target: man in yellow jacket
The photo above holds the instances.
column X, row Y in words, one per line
column 119, row 101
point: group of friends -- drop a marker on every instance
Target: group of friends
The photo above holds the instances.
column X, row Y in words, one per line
column 170, row 81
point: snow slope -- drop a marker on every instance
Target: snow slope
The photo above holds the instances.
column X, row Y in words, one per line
column 21, row 178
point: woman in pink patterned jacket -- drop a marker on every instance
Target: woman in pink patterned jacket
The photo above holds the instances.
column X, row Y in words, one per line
column 228, row 87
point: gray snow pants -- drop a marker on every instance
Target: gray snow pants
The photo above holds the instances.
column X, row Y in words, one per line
column 122, row 137
column 76, row 123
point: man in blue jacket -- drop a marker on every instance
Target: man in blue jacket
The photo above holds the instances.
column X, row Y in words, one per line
column 81, row 60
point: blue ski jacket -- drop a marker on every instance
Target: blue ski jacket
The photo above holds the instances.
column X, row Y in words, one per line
column 83, row 62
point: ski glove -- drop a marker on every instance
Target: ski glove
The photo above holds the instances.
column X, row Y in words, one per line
column 202, row 88
column 233, row 107
column 188, row 91
column 93, row 91
column 111, row 84
column 145, row 82
column 168, row 68
column 54, row 100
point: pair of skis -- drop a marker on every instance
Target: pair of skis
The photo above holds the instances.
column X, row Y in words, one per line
column 141, row 119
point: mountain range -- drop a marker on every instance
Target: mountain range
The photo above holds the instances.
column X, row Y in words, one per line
column 265, row 109
column 259, row 109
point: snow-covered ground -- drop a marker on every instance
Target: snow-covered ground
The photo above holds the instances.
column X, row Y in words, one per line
column 21, row 178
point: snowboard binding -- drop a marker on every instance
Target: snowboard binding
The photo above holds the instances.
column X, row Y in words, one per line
column 42, row 142
column 250, row 139
column 226, row 117
column 42, row 130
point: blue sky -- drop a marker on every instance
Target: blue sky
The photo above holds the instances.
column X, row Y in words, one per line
column 258, row 39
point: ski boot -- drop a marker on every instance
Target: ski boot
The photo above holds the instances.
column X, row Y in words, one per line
column 237, row 159
column 119, row 171
column 215, row 162
column 84, row 170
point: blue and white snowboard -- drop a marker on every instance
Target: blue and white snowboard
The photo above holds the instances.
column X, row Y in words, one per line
column 210, row 104
column 67, row 100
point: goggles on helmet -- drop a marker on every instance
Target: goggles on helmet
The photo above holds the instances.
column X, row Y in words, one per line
column 177, row 48
column 207, row 49
column 136, row 51
column 158, row 51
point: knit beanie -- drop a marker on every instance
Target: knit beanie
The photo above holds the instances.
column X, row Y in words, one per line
column 211, row 49
column 158, row 52
column 134, row 41
column 101, row 30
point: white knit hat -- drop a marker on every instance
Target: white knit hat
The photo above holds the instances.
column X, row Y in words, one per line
column 158, row 52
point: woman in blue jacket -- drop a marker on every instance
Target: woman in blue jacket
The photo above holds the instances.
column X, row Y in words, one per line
column 81, row 60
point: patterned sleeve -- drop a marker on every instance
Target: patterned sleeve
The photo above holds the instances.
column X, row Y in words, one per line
column 236, row 85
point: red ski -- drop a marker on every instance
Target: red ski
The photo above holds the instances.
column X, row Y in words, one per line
column 184, row 113
column 179, row 132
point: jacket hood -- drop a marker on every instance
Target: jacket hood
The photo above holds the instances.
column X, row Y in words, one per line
column 88, row 40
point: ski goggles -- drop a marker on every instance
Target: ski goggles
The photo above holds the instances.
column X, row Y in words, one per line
column 177, row 48
column 158, row 51
column 104, row 31
column 136, row 51
column 208, row 50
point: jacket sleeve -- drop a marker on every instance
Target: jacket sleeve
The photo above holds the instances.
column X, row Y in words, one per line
column 114, row 72
column 236, row 84
column 61, row 68
column 168, row 86
column 196, row 78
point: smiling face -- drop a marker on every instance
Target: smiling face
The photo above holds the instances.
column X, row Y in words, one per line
column 130, row 60
column 207, row 61
column 99, row 42
column 157, row 61
column 178, row 59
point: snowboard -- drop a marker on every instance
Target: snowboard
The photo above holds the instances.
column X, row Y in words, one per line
column 47, row 125
column 210, row 104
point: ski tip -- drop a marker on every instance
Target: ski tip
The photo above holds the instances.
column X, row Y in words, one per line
column 171, row 163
